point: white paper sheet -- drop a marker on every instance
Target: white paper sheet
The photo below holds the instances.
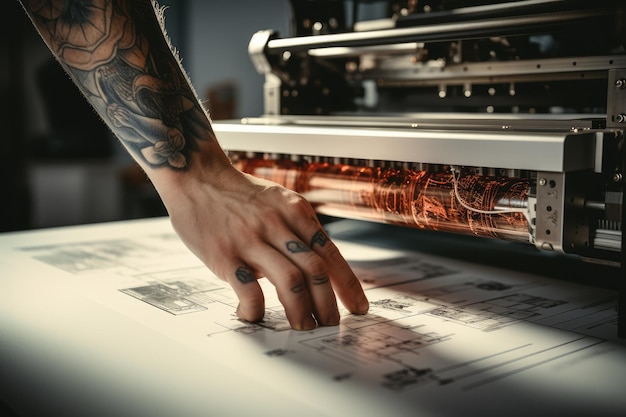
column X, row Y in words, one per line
column 442, row 337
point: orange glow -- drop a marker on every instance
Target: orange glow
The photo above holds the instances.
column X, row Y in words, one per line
column 482, row 205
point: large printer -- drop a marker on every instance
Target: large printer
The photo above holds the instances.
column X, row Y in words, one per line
column 495, row 119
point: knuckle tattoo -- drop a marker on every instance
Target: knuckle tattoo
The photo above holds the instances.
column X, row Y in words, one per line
column 297, row 289
column 320, row 238
column 295, row 246
column 319, row 279
column 244, row 275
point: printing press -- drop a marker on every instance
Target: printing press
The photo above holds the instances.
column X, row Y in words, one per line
column 503, row 120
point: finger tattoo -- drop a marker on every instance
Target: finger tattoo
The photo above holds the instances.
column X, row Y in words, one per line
column 320, row 238
column 319, row 279
column 297, row 288
column 244, row 274
column 295, row 246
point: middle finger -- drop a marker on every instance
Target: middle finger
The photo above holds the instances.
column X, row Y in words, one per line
column 289, row 281
column 318, row 281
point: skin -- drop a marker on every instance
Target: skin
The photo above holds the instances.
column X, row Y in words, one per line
column 242, row 228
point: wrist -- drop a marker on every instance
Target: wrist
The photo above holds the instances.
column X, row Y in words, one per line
column 207, row 168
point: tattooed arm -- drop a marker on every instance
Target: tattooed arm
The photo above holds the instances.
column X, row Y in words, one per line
column 241, row 227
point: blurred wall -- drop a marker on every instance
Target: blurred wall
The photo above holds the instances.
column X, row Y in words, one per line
column 46, row 190
column 216, row 46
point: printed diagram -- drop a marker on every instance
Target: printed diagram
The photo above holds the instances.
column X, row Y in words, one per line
column 89, row 256
column 372, row 348
column 402, row 354
column 421, row 311
column 498, row 312
column 396, row 271
column 410, row 377
column 120, row 256
column 178, row 297
column 273, row 321
column 373, row 344
column 155, row 269
column 168, row 277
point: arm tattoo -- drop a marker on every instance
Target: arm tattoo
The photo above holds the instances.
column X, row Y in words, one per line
column 320, row 238
column 295, row 246
column 244, row 275
column 121, row 59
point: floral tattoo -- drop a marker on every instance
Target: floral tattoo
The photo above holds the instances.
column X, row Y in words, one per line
column 126, row 68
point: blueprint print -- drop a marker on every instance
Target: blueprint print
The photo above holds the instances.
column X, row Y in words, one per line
column 434, row 325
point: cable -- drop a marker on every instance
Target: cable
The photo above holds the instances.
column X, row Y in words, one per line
column 468, row 207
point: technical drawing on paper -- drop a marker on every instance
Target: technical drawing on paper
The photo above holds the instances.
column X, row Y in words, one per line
column 418, row 305
column 120, row 256
column 497, row 312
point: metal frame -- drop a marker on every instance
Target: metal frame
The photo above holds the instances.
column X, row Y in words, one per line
column 537, row 151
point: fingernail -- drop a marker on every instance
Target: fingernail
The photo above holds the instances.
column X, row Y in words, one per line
column 330, row 321
column 252, row 318
column 309, row 324
column 363, row 306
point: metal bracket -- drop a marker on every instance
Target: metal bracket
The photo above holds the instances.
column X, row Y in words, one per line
column 549, row 211
column 256, row 50
column 616, row 99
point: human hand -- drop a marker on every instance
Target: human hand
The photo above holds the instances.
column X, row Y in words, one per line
column 244, row 228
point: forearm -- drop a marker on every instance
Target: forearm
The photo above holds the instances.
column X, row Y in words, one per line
column 117, row 53
column 241, row 227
